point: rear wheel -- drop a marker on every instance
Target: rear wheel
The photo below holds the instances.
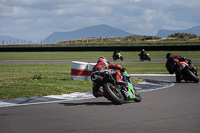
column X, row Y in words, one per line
column 114, row 58
column 191, row 76
column 113, row 94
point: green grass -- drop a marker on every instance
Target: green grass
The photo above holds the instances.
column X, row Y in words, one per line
column 18, row 80
column 89, row 55
column 29, row 80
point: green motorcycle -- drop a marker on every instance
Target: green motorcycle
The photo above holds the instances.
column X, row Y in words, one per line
column 116, row 92
column 145, row 56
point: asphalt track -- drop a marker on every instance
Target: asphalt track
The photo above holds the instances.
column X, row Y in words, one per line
column 175, row 109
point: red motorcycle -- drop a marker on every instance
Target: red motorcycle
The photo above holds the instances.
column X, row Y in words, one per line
column 186, row 72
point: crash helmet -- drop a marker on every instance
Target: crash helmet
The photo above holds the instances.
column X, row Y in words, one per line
column 169, row 55
column 143, row 50
column 102, row 58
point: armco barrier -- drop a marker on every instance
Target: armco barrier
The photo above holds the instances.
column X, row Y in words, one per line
column 103, row 48
column 81, row 70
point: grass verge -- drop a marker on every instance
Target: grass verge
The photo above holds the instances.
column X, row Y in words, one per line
column 29, row 80
column 89, row 55
column 19, row 80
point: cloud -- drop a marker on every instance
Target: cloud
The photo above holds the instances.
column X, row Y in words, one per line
column 36, row 19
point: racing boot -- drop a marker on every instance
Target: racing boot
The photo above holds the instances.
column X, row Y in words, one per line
column 99, row 94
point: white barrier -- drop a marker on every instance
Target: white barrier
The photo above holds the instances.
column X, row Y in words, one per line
column 89, row 70
column 79, row 70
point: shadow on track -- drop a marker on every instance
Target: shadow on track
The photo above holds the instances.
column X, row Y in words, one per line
column 108, row 103
column 88, row 104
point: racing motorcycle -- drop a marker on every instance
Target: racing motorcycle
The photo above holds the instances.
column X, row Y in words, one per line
column 116, row 92
column 117, row 55
column 187, row 73
column 145, row 57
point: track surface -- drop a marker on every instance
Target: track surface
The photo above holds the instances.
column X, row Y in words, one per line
column 175, row 109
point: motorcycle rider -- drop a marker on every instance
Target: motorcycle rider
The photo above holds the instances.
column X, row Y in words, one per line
column 104, row 65
column 143, row 53
column 173, row 61
column 116, row 54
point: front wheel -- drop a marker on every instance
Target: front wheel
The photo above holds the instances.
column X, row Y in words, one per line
column 113, row 94
column 121, row 58
column 138, row 98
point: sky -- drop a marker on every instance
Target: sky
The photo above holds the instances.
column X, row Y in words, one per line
column 37, row 19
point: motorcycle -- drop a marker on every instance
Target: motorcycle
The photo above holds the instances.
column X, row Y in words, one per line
column 145, row 57
column 117, row 55
column 187, row 73
column 116, row 92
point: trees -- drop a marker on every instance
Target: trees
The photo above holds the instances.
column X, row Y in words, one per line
column 183, row 36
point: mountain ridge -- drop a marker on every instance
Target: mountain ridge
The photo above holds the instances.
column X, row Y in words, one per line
column 96, row 31
column 164, row 33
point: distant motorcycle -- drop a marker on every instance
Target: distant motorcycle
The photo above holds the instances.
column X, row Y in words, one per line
column 117, row 55
column 116, row 92
column 145, row 56
column 187, row 73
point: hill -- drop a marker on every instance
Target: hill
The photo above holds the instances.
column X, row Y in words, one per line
column 9, row 40
column 4, row 39
column 88, row 32
column 164, row 33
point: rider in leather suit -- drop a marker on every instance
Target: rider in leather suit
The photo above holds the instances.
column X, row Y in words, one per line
column 104, row 65
column 172, row 62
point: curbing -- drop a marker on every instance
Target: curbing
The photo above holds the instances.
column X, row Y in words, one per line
column 149, row 85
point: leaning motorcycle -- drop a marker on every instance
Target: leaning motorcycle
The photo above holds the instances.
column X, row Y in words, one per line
column 116, row 92
column 187, row 73
column 145, row 57
column 117, row 55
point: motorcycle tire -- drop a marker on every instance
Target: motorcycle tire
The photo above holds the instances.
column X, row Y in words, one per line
column 149, row 59
column 121, row 58
column 191, row 75
column 117, row 98
column 138, row 98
